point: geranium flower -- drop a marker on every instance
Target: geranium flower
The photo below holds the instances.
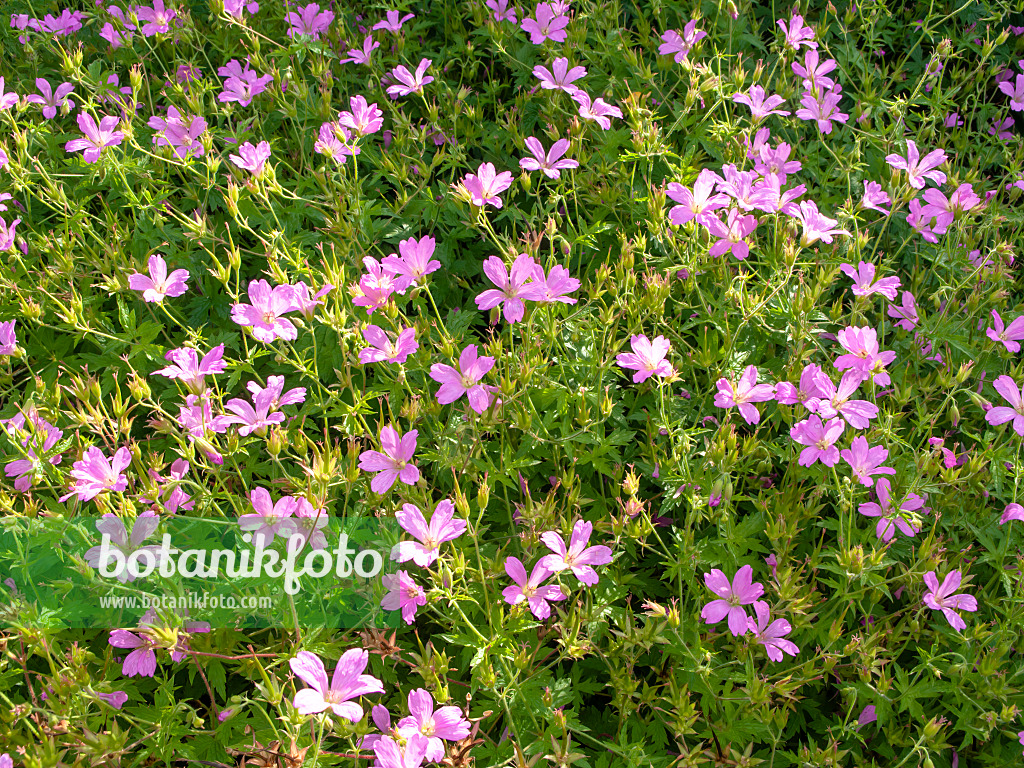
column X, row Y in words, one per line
column 1009, row 336
column 532, row 589
column 264, row 315
column 382, row 349
column 941, row 598
column 578, row 557
column 760, row 107
column 43, row 436
column 1013, row 511
column 186, row 367
column 348, row 683
column 392, row 22
column 502, row 11
column 250, row 158
column 375, row 287
column 874, row 197
column 862, row 345
column 744, row 394
column 513, row 288
column 816, row 225
column 787, row 394
column 796, row 35
column 699, row 203
column 362, row 55
column 255, row 418
column 180, row 132
column 823, row 108
column 732, row 598
column 864, row 460
column 679, row 46
column 96, row 137
column 414, row 264
column 771, row 636
column 159, row 18
column 443, row 526
column 547, row 25
column 889, row 519
column 464, row 380
column 394, row 463
column 111, row 526
column 919, row 168
column 363, row 119
column 598, row 111
column 485, row 186
column 560, row 76
column 142, row 660
column 906, row 314
column 647, row 358
column 236, row 7
column 242, row 85
column 7, row 233
column 409, row 82
column 94, row 473
column 403, row 593
column 444, row 723
column 820, row 440
column 1015, row 92
column 49, row 99
column 864, row 281
column 836, row 400
column 732, row 234
column 270, row 519
column 549, row 163
column 309, row 21
column 554, row 287
column 1006, row 387
column 815, row 74
column 158, row 284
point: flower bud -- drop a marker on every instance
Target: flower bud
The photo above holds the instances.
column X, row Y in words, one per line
column 483, row 495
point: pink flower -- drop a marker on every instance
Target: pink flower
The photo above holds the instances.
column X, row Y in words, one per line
column 531, row 589
column 823, row 108
column 252, row 158
column 890, row 519
column 760, row 107
column 1015, row 92
column 364, row 118
column 732, row 234
column 375, row 287
column 679, row 46
column 874, row 197
column 598, row 111
column 787, row 394
column 549, row 163
column 864, row 281
column 333, row 141
column 836, row 400
column 403, row 593
column 255, row 418
column 815, row 75
column 906, row 314
column 796, row 35
column 270, row 519
column 301, row 301
column 180, row 132
column 1006, row 387
column 50, row 99
column 309, row 21
column 382, row 349
column 409, row 82
column 465, row 380
column 242, row 85
column 235, row 8
column 865, row 459
column 554, row 287
column 444, row 526
column 158, row 283
column 444, row 723
column 96, row 137
column 918, row 169
column 187, row 367
column 746, row 392
column 862, row 345
column 94, row 473
column 43, row 436
column 394, row 463
column 111, row 527
column 697, row 204
column 392, row 22
column 7, row 234
column 273, row 390
column 647, row 358
column 820, row 440
column 116, row 699
column 502, row 11
column 487, row 184
column 732, row 598
column 817, row 226
column 578, row 557
column 1013, row 511
column 1008, row 336
column 941, row 598
column 348, row 683
column 158, row 16
column 1001, row 128
column 771, row 636
column 197, row 419
column 546, row 25
column 142, row 660
column 362, row 56
column 776, row 162
column 560, row 76
column 415, row 263
column 513, row 288
column 8, row 341
column 264, row 315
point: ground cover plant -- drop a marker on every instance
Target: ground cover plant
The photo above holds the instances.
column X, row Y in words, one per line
column 680, row 341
